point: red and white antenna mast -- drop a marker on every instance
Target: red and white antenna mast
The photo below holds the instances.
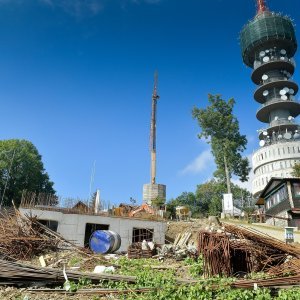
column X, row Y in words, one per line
column 261, row 6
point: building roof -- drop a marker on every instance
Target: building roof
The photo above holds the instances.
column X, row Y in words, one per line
column 272, row 184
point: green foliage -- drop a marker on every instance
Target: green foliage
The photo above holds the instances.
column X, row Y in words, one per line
column 207, row 199
column 21, row 168
column 259, row 275
column 165, row 286
column 233, row 294
column 157, row 202
column 296, row 170
column 290, row 294
column 73, row 286
column 209, row 195
column 221, row 128
column 186, row 199
column 196, row 266
column 74, row 261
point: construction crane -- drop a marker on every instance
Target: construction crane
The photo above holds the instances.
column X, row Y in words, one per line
column 155, row 97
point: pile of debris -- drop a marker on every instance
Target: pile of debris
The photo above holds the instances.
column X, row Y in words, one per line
column 238, row 251
column 180, row 249
column 142, row 250
column 22, row 238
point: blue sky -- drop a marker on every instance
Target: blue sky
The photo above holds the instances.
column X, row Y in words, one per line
column 76, row 79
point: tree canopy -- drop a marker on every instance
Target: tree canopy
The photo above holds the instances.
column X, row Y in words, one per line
column 208, row 198
column 21, row 168
column 220, row 128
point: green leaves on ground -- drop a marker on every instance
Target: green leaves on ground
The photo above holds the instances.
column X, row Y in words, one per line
column 166, row 287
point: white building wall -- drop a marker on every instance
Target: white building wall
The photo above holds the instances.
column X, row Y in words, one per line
column 276, row 160
column 72, row 226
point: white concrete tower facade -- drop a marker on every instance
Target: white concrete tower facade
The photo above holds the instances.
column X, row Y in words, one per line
column 268, row 45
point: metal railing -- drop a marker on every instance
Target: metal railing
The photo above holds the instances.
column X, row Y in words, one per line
column 270, row 102
column 274, row 56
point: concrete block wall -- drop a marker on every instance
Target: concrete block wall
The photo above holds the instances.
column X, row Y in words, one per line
column 279, row 222
column 72, row 226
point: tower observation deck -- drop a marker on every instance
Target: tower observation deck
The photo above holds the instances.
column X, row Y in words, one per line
column 268, row 44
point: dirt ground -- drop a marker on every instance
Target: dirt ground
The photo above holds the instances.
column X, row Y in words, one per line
column 10, row 293
column 174, row 228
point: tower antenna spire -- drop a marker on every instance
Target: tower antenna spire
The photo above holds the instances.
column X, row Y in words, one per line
column 261, row 6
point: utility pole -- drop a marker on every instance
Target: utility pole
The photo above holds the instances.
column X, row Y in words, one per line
column 155, row 97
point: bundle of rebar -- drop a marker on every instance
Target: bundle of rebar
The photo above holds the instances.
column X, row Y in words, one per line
column 240, row 250
column 267, row 283
column 262, row 239
column 136, row 250
column 14, row 273
column 22, row 238
column 215, row 250
column 290, row 267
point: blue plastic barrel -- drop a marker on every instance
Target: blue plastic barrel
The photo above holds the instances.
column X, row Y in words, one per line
column 105, row 241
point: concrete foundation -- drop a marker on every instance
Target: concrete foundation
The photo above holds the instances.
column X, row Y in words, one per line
column 73, row 226
column 154, row 191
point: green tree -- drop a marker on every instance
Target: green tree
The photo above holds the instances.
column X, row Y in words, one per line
column 157, row 202
column 21, row 168
column 186, row 199
column 296, row 170
column 171, row 207
column 209, row 195
column 221, row 128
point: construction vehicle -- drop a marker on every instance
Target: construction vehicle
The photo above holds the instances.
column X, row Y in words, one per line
column 144, row 207
column 182, row 213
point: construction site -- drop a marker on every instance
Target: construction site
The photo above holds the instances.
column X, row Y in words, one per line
column 151, row 251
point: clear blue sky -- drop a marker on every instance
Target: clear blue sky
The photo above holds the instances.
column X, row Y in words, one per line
column 76, row 79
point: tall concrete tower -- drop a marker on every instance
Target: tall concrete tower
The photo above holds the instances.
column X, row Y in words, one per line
column 268, row 45
column 153, row 190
